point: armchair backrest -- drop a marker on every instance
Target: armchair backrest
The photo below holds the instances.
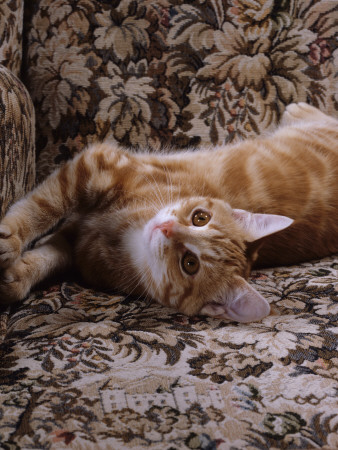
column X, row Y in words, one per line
column 159, row 73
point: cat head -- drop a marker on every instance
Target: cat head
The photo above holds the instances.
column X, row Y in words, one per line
column 195, row 258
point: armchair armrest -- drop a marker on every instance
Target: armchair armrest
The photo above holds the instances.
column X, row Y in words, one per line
column 11, row 24
column 17, row 140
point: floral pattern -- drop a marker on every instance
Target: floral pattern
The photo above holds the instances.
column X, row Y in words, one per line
column 17, row 139
column 84, row 369
column 173, row 73
column 11, row 22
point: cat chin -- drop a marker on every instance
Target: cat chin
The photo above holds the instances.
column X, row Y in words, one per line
column 242, row 303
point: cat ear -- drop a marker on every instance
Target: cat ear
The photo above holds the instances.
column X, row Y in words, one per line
column 241, row 303
column 260, row 225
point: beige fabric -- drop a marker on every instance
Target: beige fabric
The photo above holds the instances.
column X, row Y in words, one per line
column 11, row 22
column 158, row 73
column 83, row 369
column 17, row 140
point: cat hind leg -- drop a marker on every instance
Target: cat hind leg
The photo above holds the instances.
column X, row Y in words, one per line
column 302, row 112
column 49, row 257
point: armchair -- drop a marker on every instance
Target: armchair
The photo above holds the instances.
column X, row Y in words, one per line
column 86, row 369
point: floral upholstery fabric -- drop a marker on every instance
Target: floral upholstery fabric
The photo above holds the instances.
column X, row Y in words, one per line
column 11, row 22
column 84, row 369
column 17, row 147
column 154, row 73
column 17, row 140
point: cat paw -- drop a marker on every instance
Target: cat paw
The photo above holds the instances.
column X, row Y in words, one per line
column 296, row 112
column 14, row 284
column 10, row 247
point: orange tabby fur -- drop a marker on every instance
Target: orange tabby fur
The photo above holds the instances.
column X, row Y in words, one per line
column 128, row 218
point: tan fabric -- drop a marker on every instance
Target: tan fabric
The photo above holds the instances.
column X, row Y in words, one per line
column 11, row 22
column 154, row 73
column 17, row 148
column 83, row 369
column 17, row 140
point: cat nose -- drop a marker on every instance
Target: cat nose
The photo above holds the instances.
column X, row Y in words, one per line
column 167, row 228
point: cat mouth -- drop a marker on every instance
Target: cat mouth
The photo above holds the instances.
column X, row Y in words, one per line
column 156, row 230
column 154, row 239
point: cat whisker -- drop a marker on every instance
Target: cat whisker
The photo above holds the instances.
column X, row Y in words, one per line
column 155, row 207
column 157, row 191
column 131, row 281
column 142, row 282
column 145, row 281
column 169, row 183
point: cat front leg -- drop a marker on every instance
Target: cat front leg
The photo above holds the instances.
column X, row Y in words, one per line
column 52, row 255
column 34, row 215
column 79, row 185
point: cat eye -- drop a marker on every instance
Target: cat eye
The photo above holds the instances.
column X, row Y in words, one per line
column 190, row 263
column 200, row 218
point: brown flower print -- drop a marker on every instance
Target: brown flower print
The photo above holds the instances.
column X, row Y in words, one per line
column 126, row 106
column 254, row 16
column 60, row 77
column 11, row 34
column 122, row 29
column 319, row 52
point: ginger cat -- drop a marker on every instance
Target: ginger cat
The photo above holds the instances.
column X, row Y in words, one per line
column 183, row 229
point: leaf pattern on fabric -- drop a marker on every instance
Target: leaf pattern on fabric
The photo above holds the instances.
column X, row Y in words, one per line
column 11, row 22
column 17, row 146
column 171, row 73
column 129, row 373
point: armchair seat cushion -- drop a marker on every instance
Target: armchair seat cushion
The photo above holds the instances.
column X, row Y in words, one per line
column 85, row 369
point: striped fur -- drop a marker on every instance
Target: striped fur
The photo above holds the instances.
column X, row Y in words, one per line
column 129, row 217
